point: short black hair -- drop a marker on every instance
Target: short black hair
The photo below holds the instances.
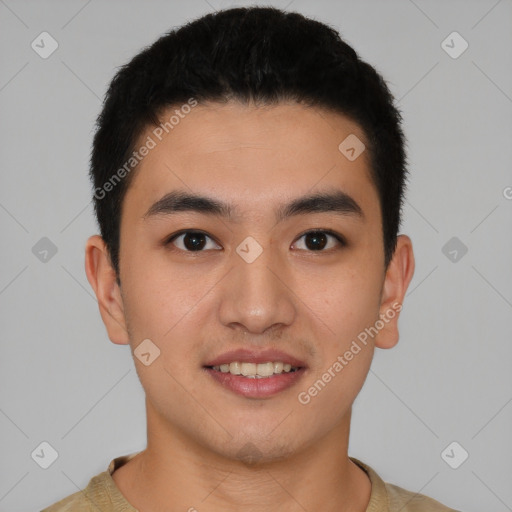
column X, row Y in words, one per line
column 262, row 55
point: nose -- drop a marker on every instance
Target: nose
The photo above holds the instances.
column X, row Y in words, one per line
column 257, row 296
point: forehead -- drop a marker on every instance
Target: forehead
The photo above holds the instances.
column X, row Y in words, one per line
column 254, row 156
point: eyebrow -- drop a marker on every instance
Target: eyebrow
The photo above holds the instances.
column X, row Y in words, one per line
column 338, row 202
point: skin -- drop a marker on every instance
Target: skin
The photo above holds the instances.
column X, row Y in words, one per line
column 197, row 305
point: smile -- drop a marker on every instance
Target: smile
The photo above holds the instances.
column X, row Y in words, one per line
column 254, row 370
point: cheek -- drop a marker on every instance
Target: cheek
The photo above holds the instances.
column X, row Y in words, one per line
column 327, row 396
column 348, row 307
column 169, row 307
column 155, row 296
column 158, row 306
column 165, row 312
column 346, row 301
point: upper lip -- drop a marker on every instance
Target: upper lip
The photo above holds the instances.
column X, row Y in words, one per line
column 244, row 355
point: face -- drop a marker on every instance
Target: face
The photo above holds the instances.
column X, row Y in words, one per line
column 239, row 271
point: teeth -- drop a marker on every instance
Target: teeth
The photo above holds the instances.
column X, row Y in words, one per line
column 234, row 368
column 248, row 369
column 278, row 367
column 255, row 370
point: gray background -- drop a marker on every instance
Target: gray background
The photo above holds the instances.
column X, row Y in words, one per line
column 62, row 381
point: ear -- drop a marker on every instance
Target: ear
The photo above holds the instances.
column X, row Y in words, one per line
column 102, row 278
column 398, row 276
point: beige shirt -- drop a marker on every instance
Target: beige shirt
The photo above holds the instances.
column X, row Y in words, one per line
column 102, row 494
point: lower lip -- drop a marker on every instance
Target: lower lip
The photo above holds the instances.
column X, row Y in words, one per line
column 256, row 388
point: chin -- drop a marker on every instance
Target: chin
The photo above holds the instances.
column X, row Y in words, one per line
column 259, row 449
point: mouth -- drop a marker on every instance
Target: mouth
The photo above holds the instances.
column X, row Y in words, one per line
column 255, row 375
column 255, row 370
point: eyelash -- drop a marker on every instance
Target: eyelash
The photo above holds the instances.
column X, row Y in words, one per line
column 342, row 242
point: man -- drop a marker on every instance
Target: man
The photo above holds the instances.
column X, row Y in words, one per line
column 249, row 172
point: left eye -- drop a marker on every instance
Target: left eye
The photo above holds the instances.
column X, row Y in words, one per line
column 319, row 240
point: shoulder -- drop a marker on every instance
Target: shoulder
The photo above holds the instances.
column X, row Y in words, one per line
column 386, row 497
column 407, row 501
column 91, row 499
column 101, row 493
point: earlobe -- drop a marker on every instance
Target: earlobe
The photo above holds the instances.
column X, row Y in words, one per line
column 102, row 278
column 398, row 276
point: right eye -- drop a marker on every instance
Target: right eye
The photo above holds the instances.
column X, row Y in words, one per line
column 190, row 241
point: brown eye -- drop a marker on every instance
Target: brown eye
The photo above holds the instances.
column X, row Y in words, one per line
column 191, row 241
column 320, row 239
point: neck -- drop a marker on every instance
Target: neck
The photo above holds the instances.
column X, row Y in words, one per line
column 175, row 469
